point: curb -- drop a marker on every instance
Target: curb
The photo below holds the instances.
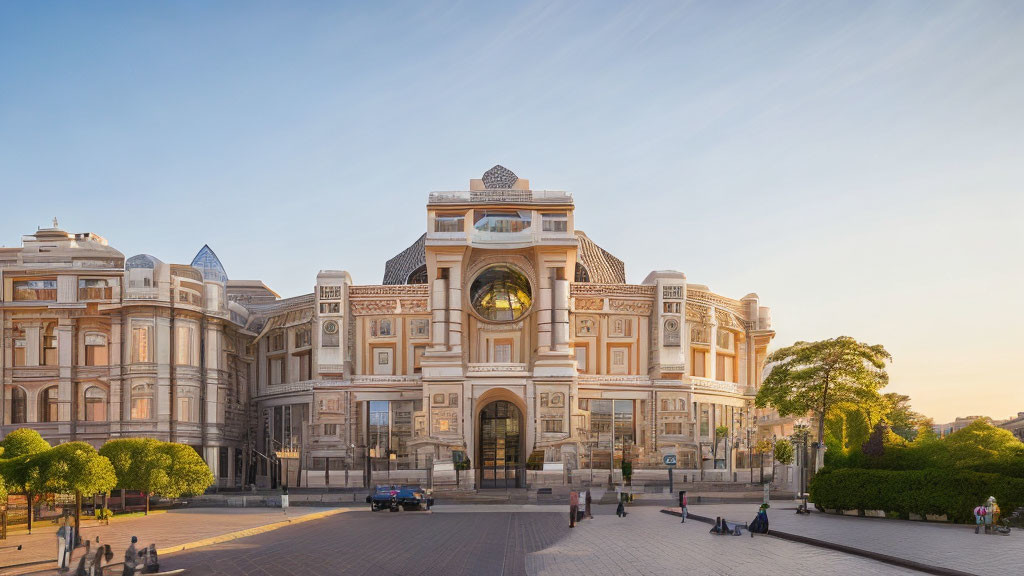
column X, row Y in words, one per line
column 249, row 532
column 170, row 550
column 885, row 558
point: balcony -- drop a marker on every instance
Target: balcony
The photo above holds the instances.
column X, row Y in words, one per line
column 501, row 197
column 720, row 386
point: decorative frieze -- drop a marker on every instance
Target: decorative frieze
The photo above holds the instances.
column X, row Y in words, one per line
column 590, row 304
column 630, row 306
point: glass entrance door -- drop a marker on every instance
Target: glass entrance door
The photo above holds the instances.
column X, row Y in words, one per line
column 499, row 445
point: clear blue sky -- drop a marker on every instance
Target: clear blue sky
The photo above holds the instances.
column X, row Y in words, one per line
column 859, row 165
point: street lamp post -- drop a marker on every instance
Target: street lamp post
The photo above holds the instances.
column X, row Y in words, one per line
column 801, row 433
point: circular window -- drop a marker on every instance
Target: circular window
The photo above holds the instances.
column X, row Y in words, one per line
column 501, row 293
column 330, row 327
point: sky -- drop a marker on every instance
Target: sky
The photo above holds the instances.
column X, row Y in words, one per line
column 857, row 165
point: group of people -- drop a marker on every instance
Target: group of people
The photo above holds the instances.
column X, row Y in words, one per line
column 91, row 561
column 987, row 515
column 575, row 514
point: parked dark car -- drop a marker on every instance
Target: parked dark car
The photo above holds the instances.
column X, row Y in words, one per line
column 395, row 498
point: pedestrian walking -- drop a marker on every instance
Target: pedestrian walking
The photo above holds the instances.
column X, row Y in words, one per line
column 620, row 510
column 589, row 515
column 682, row 506
column 97, row 561
column 131, row 559
column 574, row 507
column 65, row 544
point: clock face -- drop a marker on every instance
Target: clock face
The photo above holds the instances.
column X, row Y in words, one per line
column 672, row 325
column 330, row 327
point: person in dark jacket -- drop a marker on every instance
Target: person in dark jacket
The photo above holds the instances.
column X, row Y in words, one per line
column 589, row 515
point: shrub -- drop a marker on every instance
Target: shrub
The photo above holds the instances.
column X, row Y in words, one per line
column 784, row 452
column 954, row 493
column 22, row 442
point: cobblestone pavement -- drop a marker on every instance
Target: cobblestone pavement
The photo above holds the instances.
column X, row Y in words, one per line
column 944, row 545
column 164, row 529
column 648, row 543
column 384, row 543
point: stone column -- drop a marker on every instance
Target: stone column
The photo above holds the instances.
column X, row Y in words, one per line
column 66, row 392
column 455, row 308
column 439, row 311
column 544, row 311
column 114, row 346
column 712, row 370
column 560, row 316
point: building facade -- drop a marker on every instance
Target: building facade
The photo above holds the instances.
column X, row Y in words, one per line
column 503, row 342
column 97, row 347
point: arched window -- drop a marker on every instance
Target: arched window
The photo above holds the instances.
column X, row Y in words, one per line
column 19, row 405
column 48, row 408
column 95, row 404
column 418, row 276
column 142, row 402
column 581, row 273
column 48, row 354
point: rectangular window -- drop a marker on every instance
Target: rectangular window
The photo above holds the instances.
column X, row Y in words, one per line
column 621, row 328
column 305, row 366
column 705, row 420
column 330, row 429
column 140, row 344
column 450, row 223
column 49, row 349
column 330, row 292
column 382, row 360
column 276, row 370
column 417, row 358
column 222, row 461
column 183, row 346
column 142, row 408
column 720, row 362
column 552, row 425
column 185, row 409
column 672, row 292
column 95, row 350
column 20, row 348
column 698, row 363
column 673, row 428
column 502, row 351
column 558, row 222
column 581, row 358
column 35, row 290
column 502, row 222
column 277, row 342
column 95, row 289
column 618, row 361
column 419, row 328
column 330, row 307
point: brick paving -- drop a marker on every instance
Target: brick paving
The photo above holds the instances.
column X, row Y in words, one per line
column 934, row 544
column 385, row 543
column 164, row 529
column 649, row 543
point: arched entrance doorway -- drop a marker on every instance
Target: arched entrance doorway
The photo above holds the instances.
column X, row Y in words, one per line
column 500, row 445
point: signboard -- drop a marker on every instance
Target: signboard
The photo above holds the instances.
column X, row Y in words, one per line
column 458, row 456
column 669, row 459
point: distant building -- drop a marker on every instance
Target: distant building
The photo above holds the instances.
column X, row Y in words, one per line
column 943, row 430
column 1015, row 425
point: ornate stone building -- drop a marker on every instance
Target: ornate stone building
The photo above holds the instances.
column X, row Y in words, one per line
column 503, row 335
column 97, row 347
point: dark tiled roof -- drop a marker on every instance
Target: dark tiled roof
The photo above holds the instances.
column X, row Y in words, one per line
column 398, row 269
column 602, row 267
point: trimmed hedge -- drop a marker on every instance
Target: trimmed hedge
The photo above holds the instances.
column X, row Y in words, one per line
column 954, row 493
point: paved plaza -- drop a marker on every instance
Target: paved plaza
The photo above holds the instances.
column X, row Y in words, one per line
column 535, row 540
column 934, row 544
column 165, row 529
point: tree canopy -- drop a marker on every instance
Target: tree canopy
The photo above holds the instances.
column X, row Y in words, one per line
column 21, row 442
column 68, row 468
column 817, row 377
column 156, row 467
column 783, row 452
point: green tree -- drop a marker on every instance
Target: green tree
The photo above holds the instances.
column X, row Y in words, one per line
column 154, row 467
column 70, row 468
column 979, row 443
column 22, row 442
column 784, row 452
column 817, row 377
column 902, row 420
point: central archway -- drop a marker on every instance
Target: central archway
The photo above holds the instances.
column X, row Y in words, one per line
column 499, row 445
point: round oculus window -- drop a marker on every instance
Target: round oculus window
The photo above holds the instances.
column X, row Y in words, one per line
column 501, row 294
column 330, row 327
